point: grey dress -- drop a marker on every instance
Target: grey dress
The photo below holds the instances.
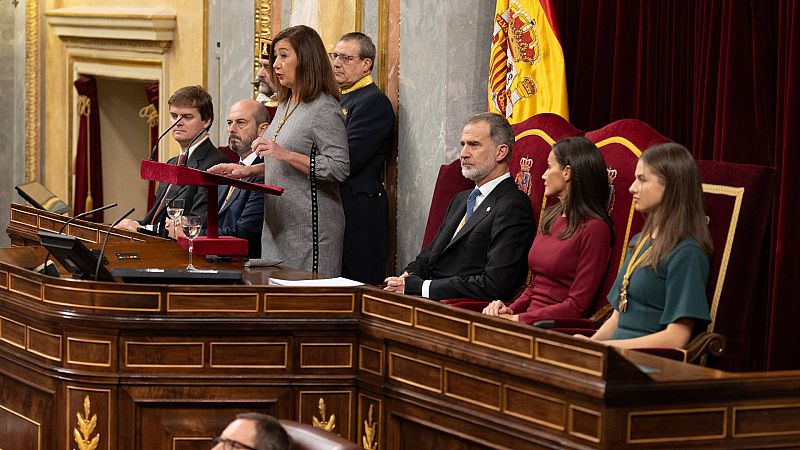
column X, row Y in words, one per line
column 286, row 237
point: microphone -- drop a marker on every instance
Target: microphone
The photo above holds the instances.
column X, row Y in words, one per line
column 155, row 146
column 51, row 269
column 105, row 241
column 204, row 130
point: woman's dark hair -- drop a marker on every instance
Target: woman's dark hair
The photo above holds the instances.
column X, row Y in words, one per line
column 588, row 192
column 681, row 211
column 313, row 73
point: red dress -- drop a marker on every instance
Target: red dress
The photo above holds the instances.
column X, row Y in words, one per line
column 565, row 274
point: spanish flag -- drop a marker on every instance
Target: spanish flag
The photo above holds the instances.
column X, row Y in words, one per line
column 526, row 69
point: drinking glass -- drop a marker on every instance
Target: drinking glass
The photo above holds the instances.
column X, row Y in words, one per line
column 174, row 212
column 191, row 229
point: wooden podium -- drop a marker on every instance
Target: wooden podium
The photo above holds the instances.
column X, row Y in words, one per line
column 211, row 243
column 168, row 366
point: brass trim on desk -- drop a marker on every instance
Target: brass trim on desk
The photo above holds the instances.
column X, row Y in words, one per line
column 665, row 412
column 164, row 366
column 243, row 295
column 586, row 351
column 352, row 309
column 418, row 311
column 154, row 294
column 349, row 346
column 447, row 393
column 11, row 287
column 28, row 330
column 381, row 356
column 28, row 419
column 3, row 280
column 560, row 427
column 736, row 409
column 285, row 365
column 24, row 344
column 365, row 298
column 109, row 344
column 414, row 383
column 571, row 422
column 524, row 337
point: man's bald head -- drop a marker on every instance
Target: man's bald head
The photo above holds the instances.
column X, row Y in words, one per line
column 247, row 119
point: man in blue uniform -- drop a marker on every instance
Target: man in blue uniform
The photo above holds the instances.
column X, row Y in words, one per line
column 370, row 135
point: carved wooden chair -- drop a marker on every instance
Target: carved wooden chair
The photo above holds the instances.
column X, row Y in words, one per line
column 308, row 437
column 737, row 200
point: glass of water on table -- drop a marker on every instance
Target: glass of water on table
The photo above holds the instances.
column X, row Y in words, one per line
column 191, row 229
column 174, row 212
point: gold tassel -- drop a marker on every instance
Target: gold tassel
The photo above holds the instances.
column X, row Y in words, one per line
column 85, row 110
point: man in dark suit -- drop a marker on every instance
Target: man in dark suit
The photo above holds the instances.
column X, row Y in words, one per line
column 241, row 212
column 480, row 250
column 370, row 133
column 194, row 106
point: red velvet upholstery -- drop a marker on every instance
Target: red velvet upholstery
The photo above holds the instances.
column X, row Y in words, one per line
column 738, row 201
column 232, row 155
column 621, row 143
column 449, row 183
column 308, row 437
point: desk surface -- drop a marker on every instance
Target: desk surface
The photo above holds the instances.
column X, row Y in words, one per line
column 167, row 366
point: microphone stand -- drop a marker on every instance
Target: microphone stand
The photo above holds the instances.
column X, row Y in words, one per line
column 105, row 241
column 44, row 268
column 155, row 146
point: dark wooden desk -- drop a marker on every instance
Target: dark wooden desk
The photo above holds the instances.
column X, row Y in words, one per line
column 167, row 367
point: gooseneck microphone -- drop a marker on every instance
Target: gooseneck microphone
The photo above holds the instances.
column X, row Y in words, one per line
column 44, row 268
column 105, row 241
column 155, row 146
column 200, row 133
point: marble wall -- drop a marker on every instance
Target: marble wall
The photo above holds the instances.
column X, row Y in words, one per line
column 230, row 59
column 12, row 89
column 444, row 65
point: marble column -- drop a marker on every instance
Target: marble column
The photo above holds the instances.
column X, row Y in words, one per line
column 444, row 64
column 12, row 119
column 231, row 27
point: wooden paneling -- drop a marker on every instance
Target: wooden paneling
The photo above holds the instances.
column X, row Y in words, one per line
column 250, row 355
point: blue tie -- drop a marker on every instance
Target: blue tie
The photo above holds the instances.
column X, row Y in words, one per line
column 471, row 202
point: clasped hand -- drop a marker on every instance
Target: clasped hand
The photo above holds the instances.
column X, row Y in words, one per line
column 396, row 284
column 268, row 147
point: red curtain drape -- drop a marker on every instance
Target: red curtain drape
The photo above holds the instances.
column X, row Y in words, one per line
column 88, row 192
column 717, row 76
column 150, row 114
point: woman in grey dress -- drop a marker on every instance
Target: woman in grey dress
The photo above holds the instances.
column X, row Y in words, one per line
column 308, row 116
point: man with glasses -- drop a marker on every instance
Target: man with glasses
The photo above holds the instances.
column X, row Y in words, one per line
column 253, row 431
column 370, row 134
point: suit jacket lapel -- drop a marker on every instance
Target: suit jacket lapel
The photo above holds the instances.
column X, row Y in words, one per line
column 198, row 155
column 482, row 212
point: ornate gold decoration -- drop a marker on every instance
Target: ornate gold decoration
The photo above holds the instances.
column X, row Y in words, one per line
column 327, row 425
column 32, row 74
column 263, row 29
column 85, row 110
column 370, row 428
column 150, row 114
column 83, row 432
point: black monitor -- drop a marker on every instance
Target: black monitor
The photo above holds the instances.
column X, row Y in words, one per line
column 74, row 256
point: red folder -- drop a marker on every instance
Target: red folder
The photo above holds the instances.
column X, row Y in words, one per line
column 212, row 243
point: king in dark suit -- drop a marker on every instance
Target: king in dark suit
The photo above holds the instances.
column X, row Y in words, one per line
column 481, row 247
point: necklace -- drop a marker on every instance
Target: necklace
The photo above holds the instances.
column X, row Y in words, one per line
column 288, row 112
column 636, row 260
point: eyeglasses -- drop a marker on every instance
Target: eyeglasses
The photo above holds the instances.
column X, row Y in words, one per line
column 230, row 444
column 345, row 58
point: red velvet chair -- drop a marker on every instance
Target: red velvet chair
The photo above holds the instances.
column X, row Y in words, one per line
column 232, row 155
column 308, row 437
column 534, row 140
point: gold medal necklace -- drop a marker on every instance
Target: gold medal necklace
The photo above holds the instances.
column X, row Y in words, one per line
column 635, row 261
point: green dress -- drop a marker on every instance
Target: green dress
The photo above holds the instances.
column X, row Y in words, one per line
column 657, row 299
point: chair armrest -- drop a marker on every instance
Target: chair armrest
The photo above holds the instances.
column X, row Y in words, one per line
column 705, row 343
